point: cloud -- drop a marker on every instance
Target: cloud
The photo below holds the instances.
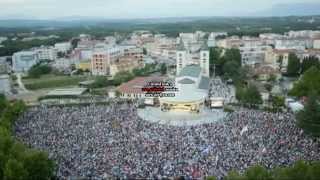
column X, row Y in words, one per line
column 137, row 8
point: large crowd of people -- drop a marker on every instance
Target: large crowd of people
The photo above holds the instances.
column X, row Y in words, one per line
column 219, row 89
column 111, row 141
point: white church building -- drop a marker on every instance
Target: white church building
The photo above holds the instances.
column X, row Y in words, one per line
column 192, row 79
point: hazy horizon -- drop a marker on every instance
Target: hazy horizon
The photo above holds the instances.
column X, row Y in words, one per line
column 143, row 9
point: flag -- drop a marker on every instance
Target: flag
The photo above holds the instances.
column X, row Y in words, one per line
column 244, row 129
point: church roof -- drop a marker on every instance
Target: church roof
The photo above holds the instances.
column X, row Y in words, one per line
column 186, row 81
column 204, row 83
column 190, row 70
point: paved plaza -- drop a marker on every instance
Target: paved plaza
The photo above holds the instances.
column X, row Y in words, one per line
column 175, row 118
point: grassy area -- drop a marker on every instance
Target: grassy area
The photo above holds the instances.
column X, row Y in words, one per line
column 52, row 81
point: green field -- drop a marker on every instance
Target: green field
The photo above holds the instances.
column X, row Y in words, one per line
column 52, row 81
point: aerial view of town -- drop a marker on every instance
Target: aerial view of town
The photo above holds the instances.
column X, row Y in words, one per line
column 179, row 89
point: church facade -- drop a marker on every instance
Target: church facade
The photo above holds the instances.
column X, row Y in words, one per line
column 192, row 79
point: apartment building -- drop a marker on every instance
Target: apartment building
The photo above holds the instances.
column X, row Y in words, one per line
column 22, row 61
column 316, row 43
column 63, row 47
column 4, row 66
column 46, row 53
column 212, row 38
column 298, row 44
column 273, row 57
column 102, row 58
column 253, row 55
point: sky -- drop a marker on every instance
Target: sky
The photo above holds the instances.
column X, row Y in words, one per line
column 114, row 9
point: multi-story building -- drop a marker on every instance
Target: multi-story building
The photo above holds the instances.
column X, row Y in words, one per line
column 63, row 47
column 230, row 42
column 253, row 55
column 279, row 58
column 298, row 44
column 63, row 64
column 309, row 53
column 212, row 38
column 4, row 67
column 130, row 59
column 22, row 61
column 316, row 43
column 110, row 40
column 136, row 54
column 102, row 58
column 304, row 34
column 46, row 53
column 162, row 47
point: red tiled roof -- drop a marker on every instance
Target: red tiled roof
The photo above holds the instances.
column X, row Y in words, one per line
column 135, row 86
column 281, row 51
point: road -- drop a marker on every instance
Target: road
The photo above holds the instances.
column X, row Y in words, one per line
column 20, row 83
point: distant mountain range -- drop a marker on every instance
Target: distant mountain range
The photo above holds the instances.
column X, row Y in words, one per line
column 306, row 10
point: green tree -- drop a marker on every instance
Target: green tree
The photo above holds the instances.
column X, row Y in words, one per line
column 272, row 78
column 314, row 171
column 163, row 69
column 215, row 60
column 14, row 170
column 233, row 55
column 5, row 145
column 253, row 95
column 248, row 95
column 122, row 77
column 39, row 69
column 74, row 42
column 100, row 82
column 231, row 65
column 257, row 173
column 17, row 161
column 277, row 102
column 309, row 117
column 234, row 175
column 211, row 178
column 3, row 103
column 294, row 65
column 309, row 82
column 309, row 62
column 231, row 69
column 38, row 165
column 144, row 51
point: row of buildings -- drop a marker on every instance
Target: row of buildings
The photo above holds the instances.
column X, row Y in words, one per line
column 107, row 56
column 100, row 57
column 22, row 61
column 267, row 48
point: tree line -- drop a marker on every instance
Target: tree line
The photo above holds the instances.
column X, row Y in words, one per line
column 227, row 64
column 308, row 86
column 297, row 67
column 17, row 161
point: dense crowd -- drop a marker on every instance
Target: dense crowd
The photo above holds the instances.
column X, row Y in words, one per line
column 103, row 142
column 219, row 89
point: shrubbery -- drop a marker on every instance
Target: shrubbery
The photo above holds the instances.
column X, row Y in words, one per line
column 38, row 70
column 16, row 160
